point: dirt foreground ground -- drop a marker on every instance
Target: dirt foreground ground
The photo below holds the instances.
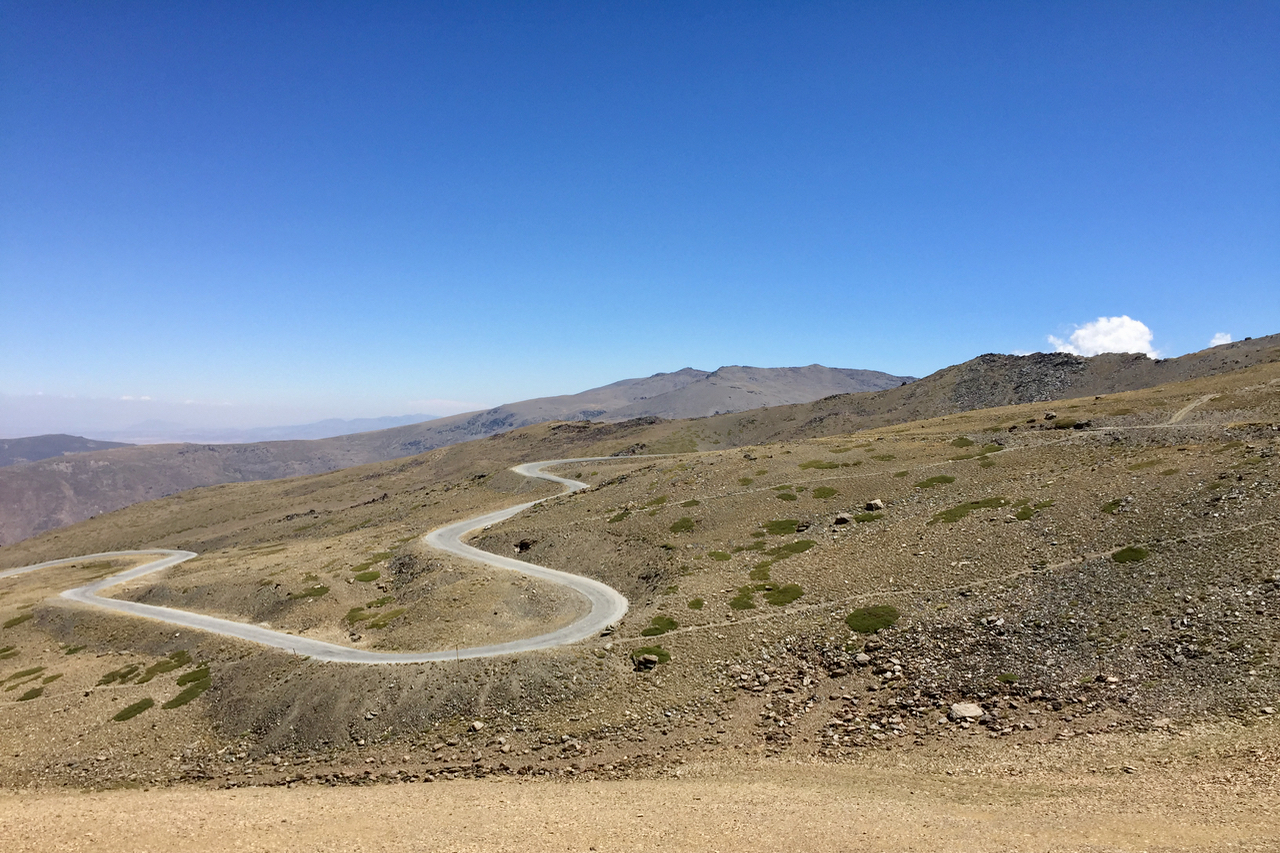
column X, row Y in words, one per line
column 714, row 808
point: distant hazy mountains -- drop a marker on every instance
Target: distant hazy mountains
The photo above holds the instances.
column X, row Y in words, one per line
column 14, row 451
column 39, row 496
column 166, row 432
column 801, row 401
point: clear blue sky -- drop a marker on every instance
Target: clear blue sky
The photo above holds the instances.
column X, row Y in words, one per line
column 301, row 210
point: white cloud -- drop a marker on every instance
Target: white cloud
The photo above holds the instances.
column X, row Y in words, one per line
column 1107, row 334
column 1220, row 339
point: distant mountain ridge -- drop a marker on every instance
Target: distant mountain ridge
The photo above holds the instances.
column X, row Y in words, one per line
column 39, row 496
column 15, row 451
column 164, row 432
column 43, row 495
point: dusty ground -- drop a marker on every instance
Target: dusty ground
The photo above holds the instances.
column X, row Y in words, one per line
column 971, row 806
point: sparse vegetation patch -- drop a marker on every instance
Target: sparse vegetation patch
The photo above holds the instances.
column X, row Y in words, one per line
column 958, row 512
column 785, row 496
column 819, row 464
column 684, row 525
column 1131, row 554
column 824, row 492
column 784, row 594
column 868, row 620
column 696, row 603
column 659, row 652
column 791, row 549
column 865, row 517
column 940, row 480
column 17, row 620
column 128, row 713
column 658, row 626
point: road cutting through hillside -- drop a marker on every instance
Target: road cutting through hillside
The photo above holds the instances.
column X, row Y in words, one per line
column 607, row 604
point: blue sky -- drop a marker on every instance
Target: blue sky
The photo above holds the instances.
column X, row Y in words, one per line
column 287, row 211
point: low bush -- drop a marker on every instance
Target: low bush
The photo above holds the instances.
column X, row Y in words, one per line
column 781, row 526
column 868, row 620
column 1131, row 554
column 658, row 626
column 659, row 652
column 133, row 710
column 824, row 492
column 683, row 525
column 956, row 513
column 940, row 480
column 784, row 594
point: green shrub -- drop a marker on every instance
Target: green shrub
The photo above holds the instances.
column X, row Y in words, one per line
column 684, row 525
column 984, row 462
column 366, row 577
column 383, row 619
column 1131, row 554
column 12, row 652
column 824, row 492
column 760, row 572
column 200, row 673
column 744, row 600
column 621, row 515
column 24, row 673
column 785, row 496
column 864, row 517
column 696, row 603
column 781, row 526
column 17, row 620
column 133, row 710
column 71, row 650
column 191, row 691
column 956, row 513
column 901, row 473
column 791, row 549
column 940, row 480
column 883, row 457
column 691, row 502
column 868, row 620
column 745, row 481
column 659, row 652
column 784, row 594
column 962, row 442
column 658, row 501
column 786, row 488
column 177, row 660
column 121, row 675
column 720, row 556
column 658, row 626
column 311, row 592
column 819, row 464
column 33, row 693
column 1110, row 507
column 1007, row 678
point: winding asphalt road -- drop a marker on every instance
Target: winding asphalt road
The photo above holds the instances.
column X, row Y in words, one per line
column 607, row 604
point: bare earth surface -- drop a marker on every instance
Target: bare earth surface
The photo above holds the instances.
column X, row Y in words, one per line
column 818, row 808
